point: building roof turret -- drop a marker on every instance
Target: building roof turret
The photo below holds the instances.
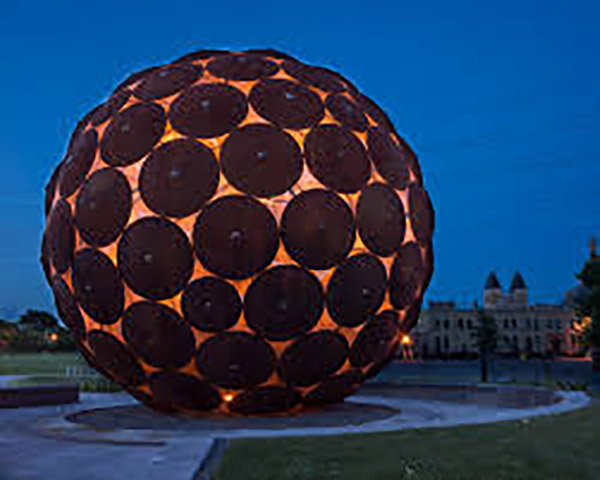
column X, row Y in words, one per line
column 492, row 281
column 517, row 282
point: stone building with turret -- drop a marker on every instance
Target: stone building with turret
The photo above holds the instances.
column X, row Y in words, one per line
column 445, row 330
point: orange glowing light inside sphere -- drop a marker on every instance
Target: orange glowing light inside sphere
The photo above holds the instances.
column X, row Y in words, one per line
column 238, row 232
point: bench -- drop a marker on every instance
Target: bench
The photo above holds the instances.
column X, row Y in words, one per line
column 37, row 395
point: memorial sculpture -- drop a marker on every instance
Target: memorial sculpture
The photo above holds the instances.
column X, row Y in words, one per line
column 238, row 232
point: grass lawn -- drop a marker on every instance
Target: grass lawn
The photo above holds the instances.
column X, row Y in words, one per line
column 563, row 447
column 40, row 363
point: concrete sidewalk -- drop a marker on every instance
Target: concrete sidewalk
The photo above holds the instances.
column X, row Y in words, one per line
column 40, row 444
column 25, row 454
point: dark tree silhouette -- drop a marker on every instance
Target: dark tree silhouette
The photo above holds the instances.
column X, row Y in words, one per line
column 486, row 336
column 587, row 302
column 8, row 331
column 38, row 320
column 36, row 331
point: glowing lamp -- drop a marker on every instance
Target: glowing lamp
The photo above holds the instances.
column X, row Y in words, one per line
column 238, row 231
column 406, row 340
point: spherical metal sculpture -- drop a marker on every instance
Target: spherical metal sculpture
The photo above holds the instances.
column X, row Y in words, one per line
column 238, row 232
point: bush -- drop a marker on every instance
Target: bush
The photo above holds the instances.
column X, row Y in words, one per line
column 571, row 386
column 89, row 384
column 28, row 340
column 98, row 385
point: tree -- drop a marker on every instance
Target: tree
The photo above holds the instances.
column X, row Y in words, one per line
column 28, row 340
column 587, row 303
column 8, row 331
column 39, row 331
column 486, row 336
column 38, row 320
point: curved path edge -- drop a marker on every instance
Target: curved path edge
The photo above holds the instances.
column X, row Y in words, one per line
column 412, row 414
column 33, row 435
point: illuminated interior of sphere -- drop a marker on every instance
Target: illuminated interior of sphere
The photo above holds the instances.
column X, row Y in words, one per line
column 238, row 232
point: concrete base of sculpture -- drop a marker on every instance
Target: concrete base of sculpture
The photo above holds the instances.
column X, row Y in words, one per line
column 377, row 408
column 141, row 418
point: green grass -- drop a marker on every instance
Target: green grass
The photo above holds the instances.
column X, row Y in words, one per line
column 37, row 363
column 563, row 447
column 86, row 384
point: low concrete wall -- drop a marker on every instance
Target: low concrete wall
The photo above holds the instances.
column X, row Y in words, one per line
column 505, row 396
column 36, row 395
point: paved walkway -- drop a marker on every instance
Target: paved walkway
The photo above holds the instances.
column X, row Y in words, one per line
column 39, row 444
column 27, row 452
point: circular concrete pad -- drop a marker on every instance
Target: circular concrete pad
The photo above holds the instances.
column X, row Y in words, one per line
column 140, row 417
column 378, row 408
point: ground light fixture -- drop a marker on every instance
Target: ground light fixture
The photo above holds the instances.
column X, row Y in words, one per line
column 238, row 232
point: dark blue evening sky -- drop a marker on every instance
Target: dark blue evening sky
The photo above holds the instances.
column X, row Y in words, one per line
column 500, row 100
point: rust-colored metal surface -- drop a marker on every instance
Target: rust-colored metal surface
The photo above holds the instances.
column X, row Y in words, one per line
column 238, row 231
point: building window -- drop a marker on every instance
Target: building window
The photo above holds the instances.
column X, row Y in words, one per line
column 446, row 324
column 469, row 323
column 528, row 323
column 438, row 347
column 437, row 324
column 506, row 323
column 528, row 345
column 514, row 323
column 536, row 324
column 506, row 339
column 461, row 323
column 557, row 324
column 446, row 344
column 549, row 323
